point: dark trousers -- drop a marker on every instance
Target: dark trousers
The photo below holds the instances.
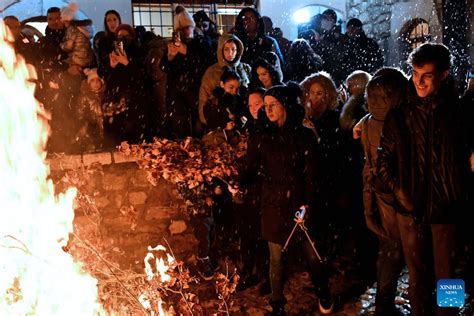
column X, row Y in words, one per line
column 253, row 248
column 318, row 270
column 390, row 263
column 429, row 252
column 204, row 231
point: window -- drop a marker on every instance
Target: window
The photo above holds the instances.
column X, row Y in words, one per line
column 415, row 32
column 158, row 17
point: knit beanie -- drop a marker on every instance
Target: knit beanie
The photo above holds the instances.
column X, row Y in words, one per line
column 92, row 74
column 68, row 12
column 182, row 18
column 289, row 97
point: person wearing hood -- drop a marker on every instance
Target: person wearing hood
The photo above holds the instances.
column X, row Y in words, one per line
column 187, row 58
column 284, row 155
column 266, row 71
column 229, row 52
column 249, row 27
column 302, row 61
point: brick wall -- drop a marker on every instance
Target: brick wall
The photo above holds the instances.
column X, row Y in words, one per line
column 131, row 214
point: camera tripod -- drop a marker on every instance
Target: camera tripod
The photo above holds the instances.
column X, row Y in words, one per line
column 299, row 219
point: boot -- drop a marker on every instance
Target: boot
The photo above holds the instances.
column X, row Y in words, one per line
column 278, row 307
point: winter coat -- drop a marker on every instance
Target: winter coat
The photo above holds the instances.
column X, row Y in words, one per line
column 103, row 45
column 76, row 43
column 379, row 207
column 424, row 156
column 302, row 62
column 213, row 74
column 334, row 52
column 365, row 54
column 49, row 48
column 90, row 116
column 352, row 111
column 126, row 99
column 184, row 75
column 283, row 159
column 254, row 48
column 223, row 108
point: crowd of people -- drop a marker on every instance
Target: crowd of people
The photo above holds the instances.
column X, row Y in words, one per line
column 312, row 110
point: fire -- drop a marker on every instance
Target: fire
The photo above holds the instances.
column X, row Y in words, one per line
column 36, row 275
column 161, row 267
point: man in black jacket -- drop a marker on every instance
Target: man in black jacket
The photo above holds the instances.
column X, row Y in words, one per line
column 424, row 160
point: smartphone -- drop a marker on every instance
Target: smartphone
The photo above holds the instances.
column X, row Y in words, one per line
column 176, row 39
column 470, row 74
column 118, row 46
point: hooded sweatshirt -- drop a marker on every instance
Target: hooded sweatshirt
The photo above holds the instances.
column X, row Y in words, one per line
column 213, row 74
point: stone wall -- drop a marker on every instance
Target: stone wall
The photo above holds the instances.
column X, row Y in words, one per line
column 376, row 18
column 131, row 213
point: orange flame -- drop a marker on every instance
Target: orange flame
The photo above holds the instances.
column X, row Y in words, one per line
column 161, row 267
column 36, row 275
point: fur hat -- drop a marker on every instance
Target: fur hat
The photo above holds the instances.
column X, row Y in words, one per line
column 68, row 12
column 182, row 18
column 92, row 74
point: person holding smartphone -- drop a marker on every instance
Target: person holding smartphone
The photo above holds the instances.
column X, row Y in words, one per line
column 187, row 58
column 126, row 102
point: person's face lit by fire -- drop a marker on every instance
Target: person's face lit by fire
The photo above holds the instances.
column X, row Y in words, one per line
column 14, row 26
column 95, row 84
column 255, row 103
column 229, row 51
column 275, row 111
column 231, row 86
column 264, row 77
column 427, row 79
column 316, row 99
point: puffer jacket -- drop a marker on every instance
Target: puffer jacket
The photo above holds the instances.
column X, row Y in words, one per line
column 76, row 43
column 213, row 74
column 424, row 156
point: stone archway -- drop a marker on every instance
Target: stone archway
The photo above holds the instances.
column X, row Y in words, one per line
column 413, row 33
